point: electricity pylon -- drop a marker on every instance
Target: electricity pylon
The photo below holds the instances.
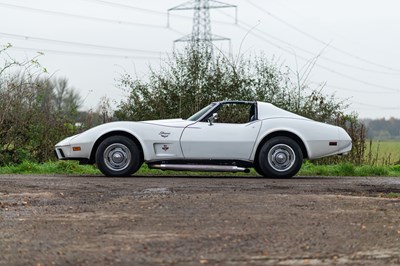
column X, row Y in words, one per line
column 201, row 35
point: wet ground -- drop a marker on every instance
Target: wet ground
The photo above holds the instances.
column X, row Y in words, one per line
column 94, row 220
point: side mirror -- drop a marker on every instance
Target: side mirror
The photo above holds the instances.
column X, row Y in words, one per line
column 212, row 118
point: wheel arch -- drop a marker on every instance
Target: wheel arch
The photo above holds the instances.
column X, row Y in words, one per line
column 281, row 133
column 115, row 133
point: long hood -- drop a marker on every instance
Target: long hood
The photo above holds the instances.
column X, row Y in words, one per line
column 135, row 128
column 132, row 125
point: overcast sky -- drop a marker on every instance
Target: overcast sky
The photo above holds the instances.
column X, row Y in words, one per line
column 91, row 42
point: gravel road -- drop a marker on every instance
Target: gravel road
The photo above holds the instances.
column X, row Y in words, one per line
column 176, row 220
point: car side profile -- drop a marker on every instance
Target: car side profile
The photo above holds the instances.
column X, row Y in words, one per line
column 230, row 136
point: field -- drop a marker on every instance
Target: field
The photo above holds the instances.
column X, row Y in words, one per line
column 382, row 152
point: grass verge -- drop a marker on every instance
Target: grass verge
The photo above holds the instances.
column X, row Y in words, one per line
column 308, row 169
column 347, row 169
column 58, row 167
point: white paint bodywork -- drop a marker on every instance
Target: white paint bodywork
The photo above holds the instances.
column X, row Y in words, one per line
column 182, row 139
column 220, row 141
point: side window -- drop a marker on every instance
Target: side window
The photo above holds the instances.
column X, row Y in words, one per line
column 235, row 113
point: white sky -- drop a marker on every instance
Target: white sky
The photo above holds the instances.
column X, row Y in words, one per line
column 358, row 40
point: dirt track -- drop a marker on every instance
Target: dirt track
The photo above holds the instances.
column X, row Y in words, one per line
column 68, row 220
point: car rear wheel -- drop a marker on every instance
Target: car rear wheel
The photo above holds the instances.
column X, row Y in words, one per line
column 118, row 156
column 280, row 157
column 258, row 169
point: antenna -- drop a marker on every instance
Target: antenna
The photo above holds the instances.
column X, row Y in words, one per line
column 201, row 36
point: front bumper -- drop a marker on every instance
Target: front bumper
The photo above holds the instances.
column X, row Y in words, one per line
column 73, row 149
column 59, row 153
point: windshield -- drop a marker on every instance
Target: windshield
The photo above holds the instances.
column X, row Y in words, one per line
column 202, row 112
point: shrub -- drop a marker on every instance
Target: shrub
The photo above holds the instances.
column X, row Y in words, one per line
column 34, row 114
column 193, row 79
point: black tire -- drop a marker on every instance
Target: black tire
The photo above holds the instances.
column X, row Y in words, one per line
column 118, row 156
column 280, row 157
column 258, row 169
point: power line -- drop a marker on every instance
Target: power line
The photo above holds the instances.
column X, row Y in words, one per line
column 378, row 106
column 84, row 54
column 311, row 53
column 303, row 58
column 129, row 7
column 58, row 13
column 319, row 40
column 347, row 89
column 150, row 11
column 269, row 35
column 319, row 65
column 148, row 25
column 17, row 36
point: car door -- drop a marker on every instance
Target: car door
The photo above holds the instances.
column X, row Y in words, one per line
column 230, row 137
column 219, row 141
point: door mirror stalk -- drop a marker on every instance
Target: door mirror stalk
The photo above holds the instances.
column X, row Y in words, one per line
column 212, row 119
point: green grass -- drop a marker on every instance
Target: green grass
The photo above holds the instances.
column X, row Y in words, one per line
column 382, row 152
column 308, row 169
column 391, row 195
column 59, row 167
column 347, row 169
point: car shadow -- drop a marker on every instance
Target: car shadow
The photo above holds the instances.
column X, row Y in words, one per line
column 202, row 176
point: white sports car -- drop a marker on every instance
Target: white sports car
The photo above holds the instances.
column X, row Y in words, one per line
column 229, row 136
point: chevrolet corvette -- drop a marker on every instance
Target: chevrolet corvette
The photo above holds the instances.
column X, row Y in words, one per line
column 230, row 136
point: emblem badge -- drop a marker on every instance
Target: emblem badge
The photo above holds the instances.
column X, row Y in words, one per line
column 165, row 147
column 164, row 134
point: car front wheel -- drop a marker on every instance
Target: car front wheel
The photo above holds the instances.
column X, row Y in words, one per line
column 118, row 156
column 280, row 157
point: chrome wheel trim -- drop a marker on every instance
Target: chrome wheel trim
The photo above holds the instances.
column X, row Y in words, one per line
column 117, row 157
column 281, row 157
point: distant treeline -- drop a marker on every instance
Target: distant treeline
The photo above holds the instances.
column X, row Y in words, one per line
column 382, row 128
